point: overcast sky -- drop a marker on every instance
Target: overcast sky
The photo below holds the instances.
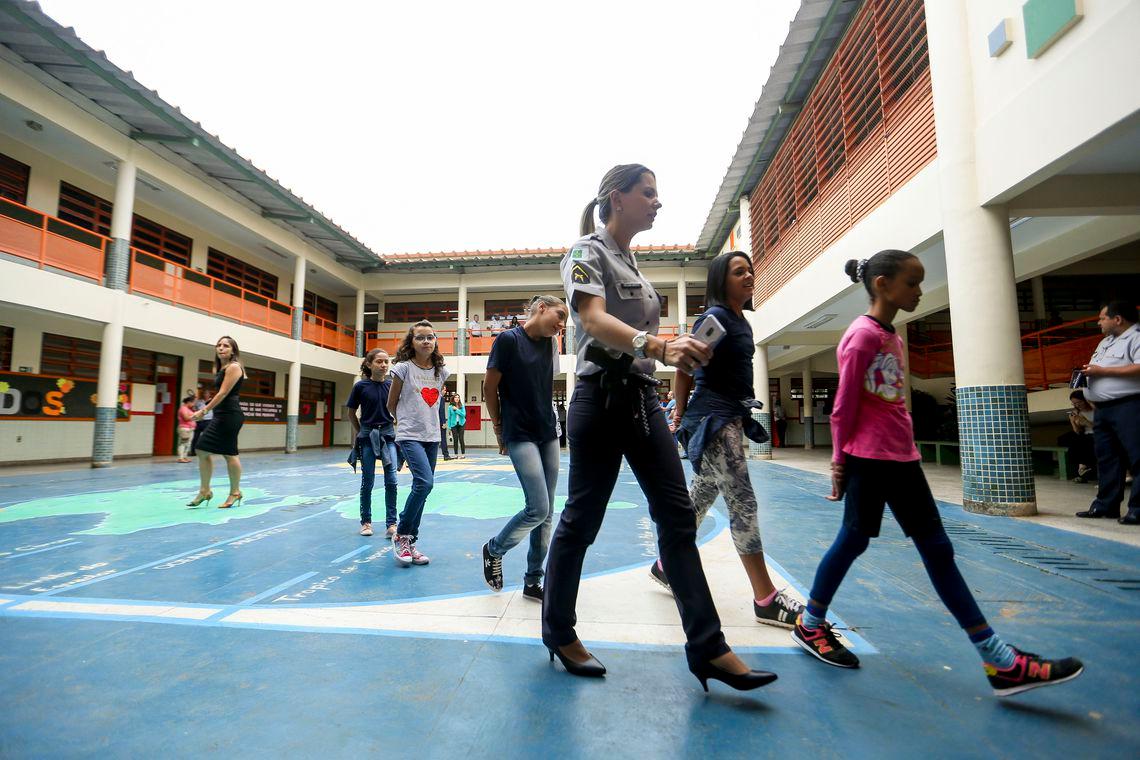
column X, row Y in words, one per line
column 438, row 126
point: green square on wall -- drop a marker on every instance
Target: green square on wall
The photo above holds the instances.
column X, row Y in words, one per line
column 1046, row 21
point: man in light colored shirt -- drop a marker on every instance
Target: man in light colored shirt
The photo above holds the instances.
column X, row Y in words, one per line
column 1114, row 387
column 473, row 328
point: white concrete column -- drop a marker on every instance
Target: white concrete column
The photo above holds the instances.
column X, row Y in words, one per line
column 806, row 411
column 293, row 406
column 461, row 343
column 744, row 242
column 299, row 270
column 1039, row 313
column 360, row 322
column 682, row 304
column 107, row 390
column 993, row 413
column 122, row 215
column 461, row 386
column 760, row 388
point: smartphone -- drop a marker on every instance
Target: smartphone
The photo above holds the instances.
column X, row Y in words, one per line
column 711, row 331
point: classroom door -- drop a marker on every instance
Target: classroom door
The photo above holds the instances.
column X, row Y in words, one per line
column 165, row 414
column 326, row 441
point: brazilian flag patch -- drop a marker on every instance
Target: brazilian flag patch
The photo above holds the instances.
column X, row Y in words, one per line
column 580, row 275
column 577, row 253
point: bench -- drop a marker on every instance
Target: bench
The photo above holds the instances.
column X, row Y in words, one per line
column 939, row 452
column 1047, row 460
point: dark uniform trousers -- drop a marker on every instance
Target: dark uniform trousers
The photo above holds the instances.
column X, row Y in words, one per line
column 1116, row 436
column 599, row 437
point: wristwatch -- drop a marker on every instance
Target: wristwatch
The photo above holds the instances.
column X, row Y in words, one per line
column 640, row 343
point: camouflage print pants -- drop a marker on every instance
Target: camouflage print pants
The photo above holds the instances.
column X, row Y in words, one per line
column 725, row 471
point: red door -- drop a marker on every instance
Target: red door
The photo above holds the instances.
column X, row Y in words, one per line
column 165, row 414
column 327, row 439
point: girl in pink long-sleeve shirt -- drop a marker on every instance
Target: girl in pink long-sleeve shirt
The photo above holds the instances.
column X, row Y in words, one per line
column 876, row 464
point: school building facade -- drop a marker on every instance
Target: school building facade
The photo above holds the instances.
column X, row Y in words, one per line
column 999, row 141
column 131, row 239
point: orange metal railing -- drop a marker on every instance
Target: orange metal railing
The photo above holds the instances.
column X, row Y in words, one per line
column 1049, row 356
column 390, row 340
column 328, row 334
column 182, row 286
column 51, row 242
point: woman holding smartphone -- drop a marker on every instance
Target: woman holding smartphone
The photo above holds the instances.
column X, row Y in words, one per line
column 715, row 423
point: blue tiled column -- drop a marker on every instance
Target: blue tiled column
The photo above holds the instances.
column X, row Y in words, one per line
column 993, row 431
column 103, row 446
column 993, row 419
column 761, row 450
column 291, row 422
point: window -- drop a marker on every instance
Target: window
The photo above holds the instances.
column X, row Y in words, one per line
column 138, row 366
column 93, row 213
column 163, row 242
column 237, row 272
column 695, row 302
column 78, row 357
column 14, row 179
column 433, row 311
column 317, row 390
column 69, row 357
column 6, row 348
column 320, row 306
column 205, row 374
column 512, row 307
column 84, row 209
column 258, row 382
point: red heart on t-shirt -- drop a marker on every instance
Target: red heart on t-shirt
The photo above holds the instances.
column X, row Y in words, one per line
column 431, row 395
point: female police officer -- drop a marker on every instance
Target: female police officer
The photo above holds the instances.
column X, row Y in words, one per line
column 613, row 413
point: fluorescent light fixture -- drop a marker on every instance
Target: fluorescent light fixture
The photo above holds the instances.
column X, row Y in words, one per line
column 823, row 320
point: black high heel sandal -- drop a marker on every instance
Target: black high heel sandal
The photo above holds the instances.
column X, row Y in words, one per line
column 591, row 668
column 753, row 679
column 199, row 498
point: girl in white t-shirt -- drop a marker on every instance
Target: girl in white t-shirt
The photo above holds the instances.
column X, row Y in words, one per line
column 414, row 399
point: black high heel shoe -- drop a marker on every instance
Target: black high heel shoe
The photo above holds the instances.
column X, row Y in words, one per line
column 753, row 679
column 591, row 668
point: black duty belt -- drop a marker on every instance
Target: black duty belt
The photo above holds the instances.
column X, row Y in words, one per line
column 620, row 384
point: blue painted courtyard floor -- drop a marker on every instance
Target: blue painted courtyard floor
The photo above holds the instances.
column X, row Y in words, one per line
column 131, row 626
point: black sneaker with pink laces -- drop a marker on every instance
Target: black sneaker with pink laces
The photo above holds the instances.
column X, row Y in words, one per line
column 1030, row 671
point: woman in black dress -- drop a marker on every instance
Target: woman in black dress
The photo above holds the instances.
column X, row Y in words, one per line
column 222, row 434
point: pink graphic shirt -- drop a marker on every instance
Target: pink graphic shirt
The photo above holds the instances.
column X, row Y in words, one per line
column 869, row 418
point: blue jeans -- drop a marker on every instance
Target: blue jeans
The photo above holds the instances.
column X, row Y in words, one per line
column 368, row 472
column 536, row 465
column 420, row 456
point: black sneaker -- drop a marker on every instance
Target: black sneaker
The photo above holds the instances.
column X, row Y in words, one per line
column 533, row 592
column 492, row 569
column 782, row 612
column 1030, row 671
column 657, row 573
column 822, row 644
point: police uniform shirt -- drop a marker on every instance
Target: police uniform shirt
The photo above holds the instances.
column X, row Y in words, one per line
column 1115, row 351
column 597, row 266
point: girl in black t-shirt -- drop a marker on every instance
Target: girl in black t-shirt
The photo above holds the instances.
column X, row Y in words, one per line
column 375, row 437
column 519, row 393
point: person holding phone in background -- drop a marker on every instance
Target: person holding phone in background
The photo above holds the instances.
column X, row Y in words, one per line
column 713, row 426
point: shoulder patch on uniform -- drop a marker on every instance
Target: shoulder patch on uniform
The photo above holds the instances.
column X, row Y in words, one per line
column 578, row 253
column 579, row 274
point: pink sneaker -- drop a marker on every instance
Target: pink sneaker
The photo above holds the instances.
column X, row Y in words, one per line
column 402, row 550
column 417, row 557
